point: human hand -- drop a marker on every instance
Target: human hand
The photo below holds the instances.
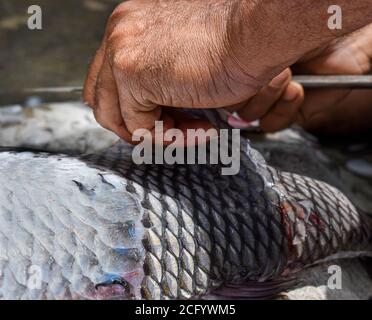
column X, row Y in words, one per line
column 338, row 111
column 198, row 54
column 164, row 54
column 276, row 105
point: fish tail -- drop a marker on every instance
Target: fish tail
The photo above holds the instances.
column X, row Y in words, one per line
column 320, row 221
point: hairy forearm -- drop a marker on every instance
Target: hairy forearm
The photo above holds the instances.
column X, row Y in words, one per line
column 291, row 28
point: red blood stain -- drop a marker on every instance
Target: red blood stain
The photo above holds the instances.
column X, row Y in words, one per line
column 284, row 208
column 316, row 221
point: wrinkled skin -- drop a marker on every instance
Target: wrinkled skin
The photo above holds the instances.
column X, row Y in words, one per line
column 205, row 54
column 136, row 70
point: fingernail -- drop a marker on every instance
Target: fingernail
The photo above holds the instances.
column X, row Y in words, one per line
column 290, row 93
column 236, row 122
column 278, row 81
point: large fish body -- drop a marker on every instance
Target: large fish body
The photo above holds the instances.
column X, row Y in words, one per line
column 99, row 226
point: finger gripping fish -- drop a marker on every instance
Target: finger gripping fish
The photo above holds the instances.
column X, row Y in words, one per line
column 99, row 226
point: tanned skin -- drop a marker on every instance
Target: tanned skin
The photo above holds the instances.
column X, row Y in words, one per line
column 160, row 55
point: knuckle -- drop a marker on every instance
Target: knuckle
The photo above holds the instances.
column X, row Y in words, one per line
column 116, row 17
column 125, row 22
column 122, row 51
column 119, row 13
column 273, row 92
column 125, row 27
column 125, row 60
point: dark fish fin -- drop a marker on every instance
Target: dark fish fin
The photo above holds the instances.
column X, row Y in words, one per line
column 254, row 290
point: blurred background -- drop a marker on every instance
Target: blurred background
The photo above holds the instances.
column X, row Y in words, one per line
column 59, row 54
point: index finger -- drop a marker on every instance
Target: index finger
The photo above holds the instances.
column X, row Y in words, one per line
column 89, row 93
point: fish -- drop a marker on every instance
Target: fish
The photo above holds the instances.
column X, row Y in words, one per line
column 99, row 226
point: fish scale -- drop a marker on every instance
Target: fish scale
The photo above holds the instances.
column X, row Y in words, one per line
column 339, row 223
column 102, row 227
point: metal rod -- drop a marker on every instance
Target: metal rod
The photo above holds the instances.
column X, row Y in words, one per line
column 308, row 81
column 339, row 81
column 77, row 89
column 65, row 93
